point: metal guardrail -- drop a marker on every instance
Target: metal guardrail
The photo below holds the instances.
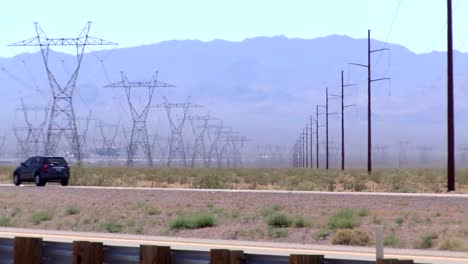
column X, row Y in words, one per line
column 61, row 253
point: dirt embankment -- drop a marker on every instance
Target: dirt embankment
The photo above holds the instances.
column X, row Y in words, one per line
column 410, row 221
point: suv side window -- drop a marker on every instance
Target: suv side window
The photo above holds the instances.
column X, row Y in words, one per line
column 29, row 162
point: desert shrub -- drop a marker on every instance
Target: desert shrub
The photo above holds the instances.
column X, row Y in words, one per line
column 203, row 220
column 359, row 183
column 271, row 210
column 392, row 241
column 300, row 222
column 181, row 222
column 453, row 243
column 41, row 216
column 15, row 212
column 277, row 232
column 250, row 234
column 279, row 220
column 363, row 212
column 72, row 210
column 398, row 180
column 113, row 227
column 399, row 221
column 352, row 237
column 235, row 214
column 152, row 211
column 5, row 221
column 426, row 240
column 211, row 181
column 199, row 220
column 342, row 219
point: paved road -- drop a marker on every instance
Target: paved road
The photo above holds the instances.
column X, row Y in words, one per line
column 338, row 252
column 447, row 195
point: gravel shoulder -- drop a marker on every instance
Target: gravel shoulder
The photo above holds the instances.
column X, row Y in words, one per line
column 239, row 215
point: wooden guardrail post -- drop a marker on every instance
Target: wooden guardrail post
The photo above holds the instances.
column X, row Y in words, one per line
column 150, row 254
column 28, row 250
column 219, row 256
column 306, row 259
column 85, row 252
column 236, row 257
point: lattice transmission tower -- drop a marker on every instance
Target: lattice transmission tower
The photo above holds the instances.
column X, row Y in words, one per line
column 200, row 126
column 224, row 154
column 237, row 144
column 62, row 117
column 176, row 141
column 139, row 136
column 109, row 134
column 33, row 143
column 82, row 126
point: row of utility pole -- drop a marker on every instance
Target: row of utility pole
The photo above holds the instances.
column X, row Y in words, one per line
column 301, row 150
column 343, row 106
column 308, row 134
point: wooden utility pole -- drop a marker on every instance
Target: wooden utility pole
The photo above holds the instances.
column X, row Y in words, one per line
column 326, row 130
column 311, row 143
column 369, row 97
column 343, row 106
column 306, row 133
column 450, row 117
column 317, row 136
column 342, row 124
column 303, row 149
column 369, row 119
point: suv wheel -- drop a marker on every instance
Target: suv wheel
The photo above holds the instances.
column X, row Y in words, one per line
column 16, row 179
column 64, row 182
column 38, row 180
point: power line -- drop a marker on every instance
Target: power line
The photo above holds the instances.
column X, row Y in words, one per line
column 444, row 28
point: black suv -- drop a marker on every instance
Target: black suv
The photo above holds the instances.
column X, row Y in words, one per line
column 42, row 170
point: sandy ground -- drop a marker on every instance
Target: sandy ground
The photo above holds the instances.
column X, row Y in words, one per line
column 239, row 216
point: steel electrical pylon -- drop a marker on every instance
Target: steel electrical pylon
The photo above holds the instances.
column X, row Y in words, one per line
column 222, row 153
column 82, row 126
column 139, row 136
column 176, row 141
column 109, row 134
column 22, row 137
column 62, row 116
column 237, row 143
column 199, row 125
column 213, row 135
column 33, row 143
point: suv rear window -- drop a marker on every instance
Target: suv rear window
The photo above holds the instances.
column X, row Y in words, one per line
column 58, row 161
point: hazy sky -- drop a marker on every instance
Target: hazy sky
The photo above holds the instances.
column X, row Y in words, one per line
column 419, row 24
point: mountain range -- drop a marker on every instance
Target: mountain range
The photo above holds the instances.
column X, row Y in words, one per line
column 264, row 87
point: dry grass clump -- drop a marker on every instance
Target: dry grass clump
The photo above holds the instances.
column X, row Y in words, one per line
column 345, row 218
column 352, row 237
column 453, row 243
column 199, row 220
column 426, row 240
